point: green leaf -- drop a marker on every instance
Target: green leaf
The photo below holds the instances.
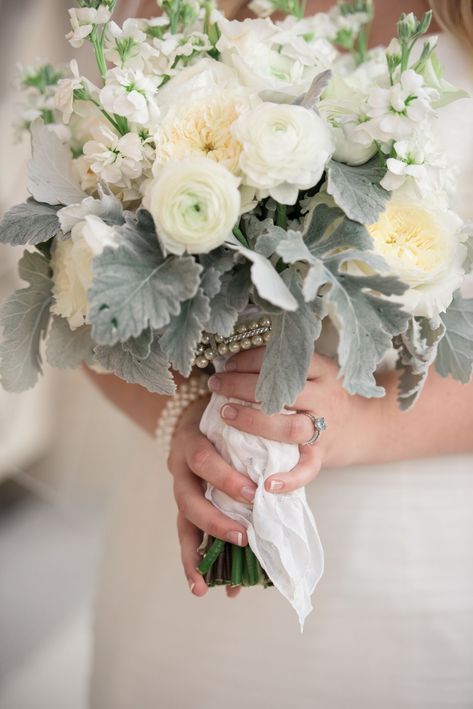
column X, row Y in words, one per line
column 140, row 347
column 238, row 287
column 417, row 348
column 136, row 287
column 29, row 223
column 455, row 353
column 51, row 177
column 66, row 348
column 289, row 351
column 357, row 191
column 367, row 320
column 222, row 317
column 183, row 333
column 25, row 318
column 151, row 373
column 211, row 281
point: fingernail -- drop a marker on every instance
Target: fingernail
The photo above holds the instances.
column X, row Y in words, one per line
column 248, row 493
column 214, row 383
column 191, row 585
column 276, row 485
column 230, row 366
column 235, row 538
column 229, row 412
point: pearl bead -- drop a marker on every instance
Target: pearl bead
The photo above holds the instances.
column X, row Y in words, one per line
column 241, row 329
column 205, row 339
column 202, row 362
column 266, row 336
column 245, row 344
column 222, row 349
column 257, row 341
column 200, row 349
column 254, row 325
column 234, row 347
column 219, row 339
column 210, row 354
column 265, row 322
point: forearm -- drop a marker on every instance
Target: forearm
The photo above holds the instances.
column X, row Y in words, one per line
column 440, row 423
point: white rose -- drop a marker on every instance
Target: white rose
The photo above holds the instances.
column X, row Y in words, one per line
column 284, row 149
column 423, row 246
column 72, row 267
column 275, row 62
column 195, row 203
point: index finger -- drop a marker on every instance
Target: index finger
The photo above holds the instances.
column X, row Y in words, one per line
column 250, row 362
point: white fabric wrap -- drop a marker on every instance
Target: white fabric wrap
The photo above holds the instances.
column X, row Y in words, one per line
column 281, row 528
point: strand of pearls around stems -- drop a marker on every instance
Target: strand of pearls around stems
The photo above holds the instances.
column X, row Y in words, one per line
column 245, row 336
column 188, row 392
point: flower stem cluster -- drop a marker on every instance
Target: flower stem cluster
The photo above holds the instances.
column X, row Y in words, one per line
column 409, row 30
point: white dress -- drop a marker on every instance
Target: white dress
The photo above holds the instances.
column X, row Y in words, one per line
column 392, row 626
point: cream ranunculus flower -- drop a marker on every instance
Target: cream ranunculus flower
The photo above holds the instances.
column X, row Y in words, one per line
column 422, row 245
column 285, row 149
column 72, row 267
column 195, row 203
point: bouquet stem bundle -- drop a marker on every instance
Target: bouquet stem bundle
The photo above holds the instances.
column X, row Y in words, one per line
column 225, row 564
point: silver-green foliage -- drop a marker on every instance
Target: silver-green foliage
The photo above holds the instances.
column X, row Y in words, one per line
column 66, row 348
column 357, row 191
column 455, row 352
column 135, row 286
column 331, row 246
column 29, row 223
column 24, row 318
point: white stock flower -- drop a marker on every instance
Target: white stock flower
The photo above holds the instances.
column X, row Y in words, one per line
column 83, row 21
column 115, row 159
column 422, row 245
column 284, row 149
column 432, row 73
column 417, row 163
column 126, row 46
column 64, row 96
column 199, row 107
column 261, row 8
column 398, row 111
column 72, row 268
column 131, row 93
column 195, row 203
column 275, row 62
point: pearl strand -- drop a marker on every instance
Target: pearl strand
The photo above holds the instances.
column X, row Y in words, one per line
column 187, row 393
column 245, row 336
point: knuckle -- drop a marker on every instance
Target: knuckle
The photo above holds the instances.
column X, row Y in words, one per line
column 215, row 529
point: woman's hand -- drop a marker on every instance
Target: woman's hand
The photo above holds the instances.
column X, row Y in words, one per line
column 347, row 417
column 193, row 462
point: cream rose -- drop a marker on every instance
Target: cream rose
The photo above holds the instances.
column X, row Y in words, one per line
column 284, row 149
column 195, row 203
column 422, row 245
column 72, row 267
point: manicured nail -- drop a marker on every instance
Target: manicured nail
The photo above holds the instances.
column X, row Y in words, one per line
column 229, row 412
column 230, row 366
column 248, row 493
column 215, row 383
column 191, row 585
column 276, row 485
column 235, row 538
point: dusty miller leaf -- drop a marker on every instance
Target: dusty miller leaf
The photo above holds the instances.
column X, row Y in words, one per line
column 183, row 333
column 455, row 352
column 140, row 347
column 107, row 207
column 29, row 223
column 290, row 348
column 66, row 348
column 417, row 349
column 368, row 321
column 25, row 318
column 136, row 287
column 357, row 191
column 151, row 373
column 51, row 177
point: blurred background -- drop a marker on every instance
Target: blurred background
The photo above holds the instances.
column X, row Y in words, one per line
column 63, row 449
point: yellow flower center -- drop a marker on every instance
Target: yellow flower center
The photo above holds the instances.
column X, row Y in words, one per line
column 410, row 235
column 206, row 129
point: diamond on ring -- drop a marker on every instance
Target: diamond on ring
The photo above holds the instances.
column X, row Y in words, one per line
column 319, row 425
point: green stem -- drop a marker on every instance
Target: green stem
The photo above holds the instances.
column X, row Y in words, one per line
column 237, row 232
column 211, row 557
column 97, row 43
column 237, row 564
column 250, row 559
column 281, row 216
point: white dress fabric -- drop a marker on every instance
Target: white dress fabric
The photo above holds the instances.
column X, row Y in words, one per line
column 392, row 626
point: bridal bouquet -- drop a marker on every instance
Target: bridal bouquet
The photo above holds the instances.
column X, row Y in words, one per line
column 224, row 184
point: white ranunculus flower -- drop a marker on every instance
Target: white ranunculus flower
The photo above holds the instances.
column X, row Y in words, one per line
column 423, row 246
column 83, row 21
column 284, row 149
column 132, row 94
column 195, row 203
column 72, row 267
column 277, row 63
